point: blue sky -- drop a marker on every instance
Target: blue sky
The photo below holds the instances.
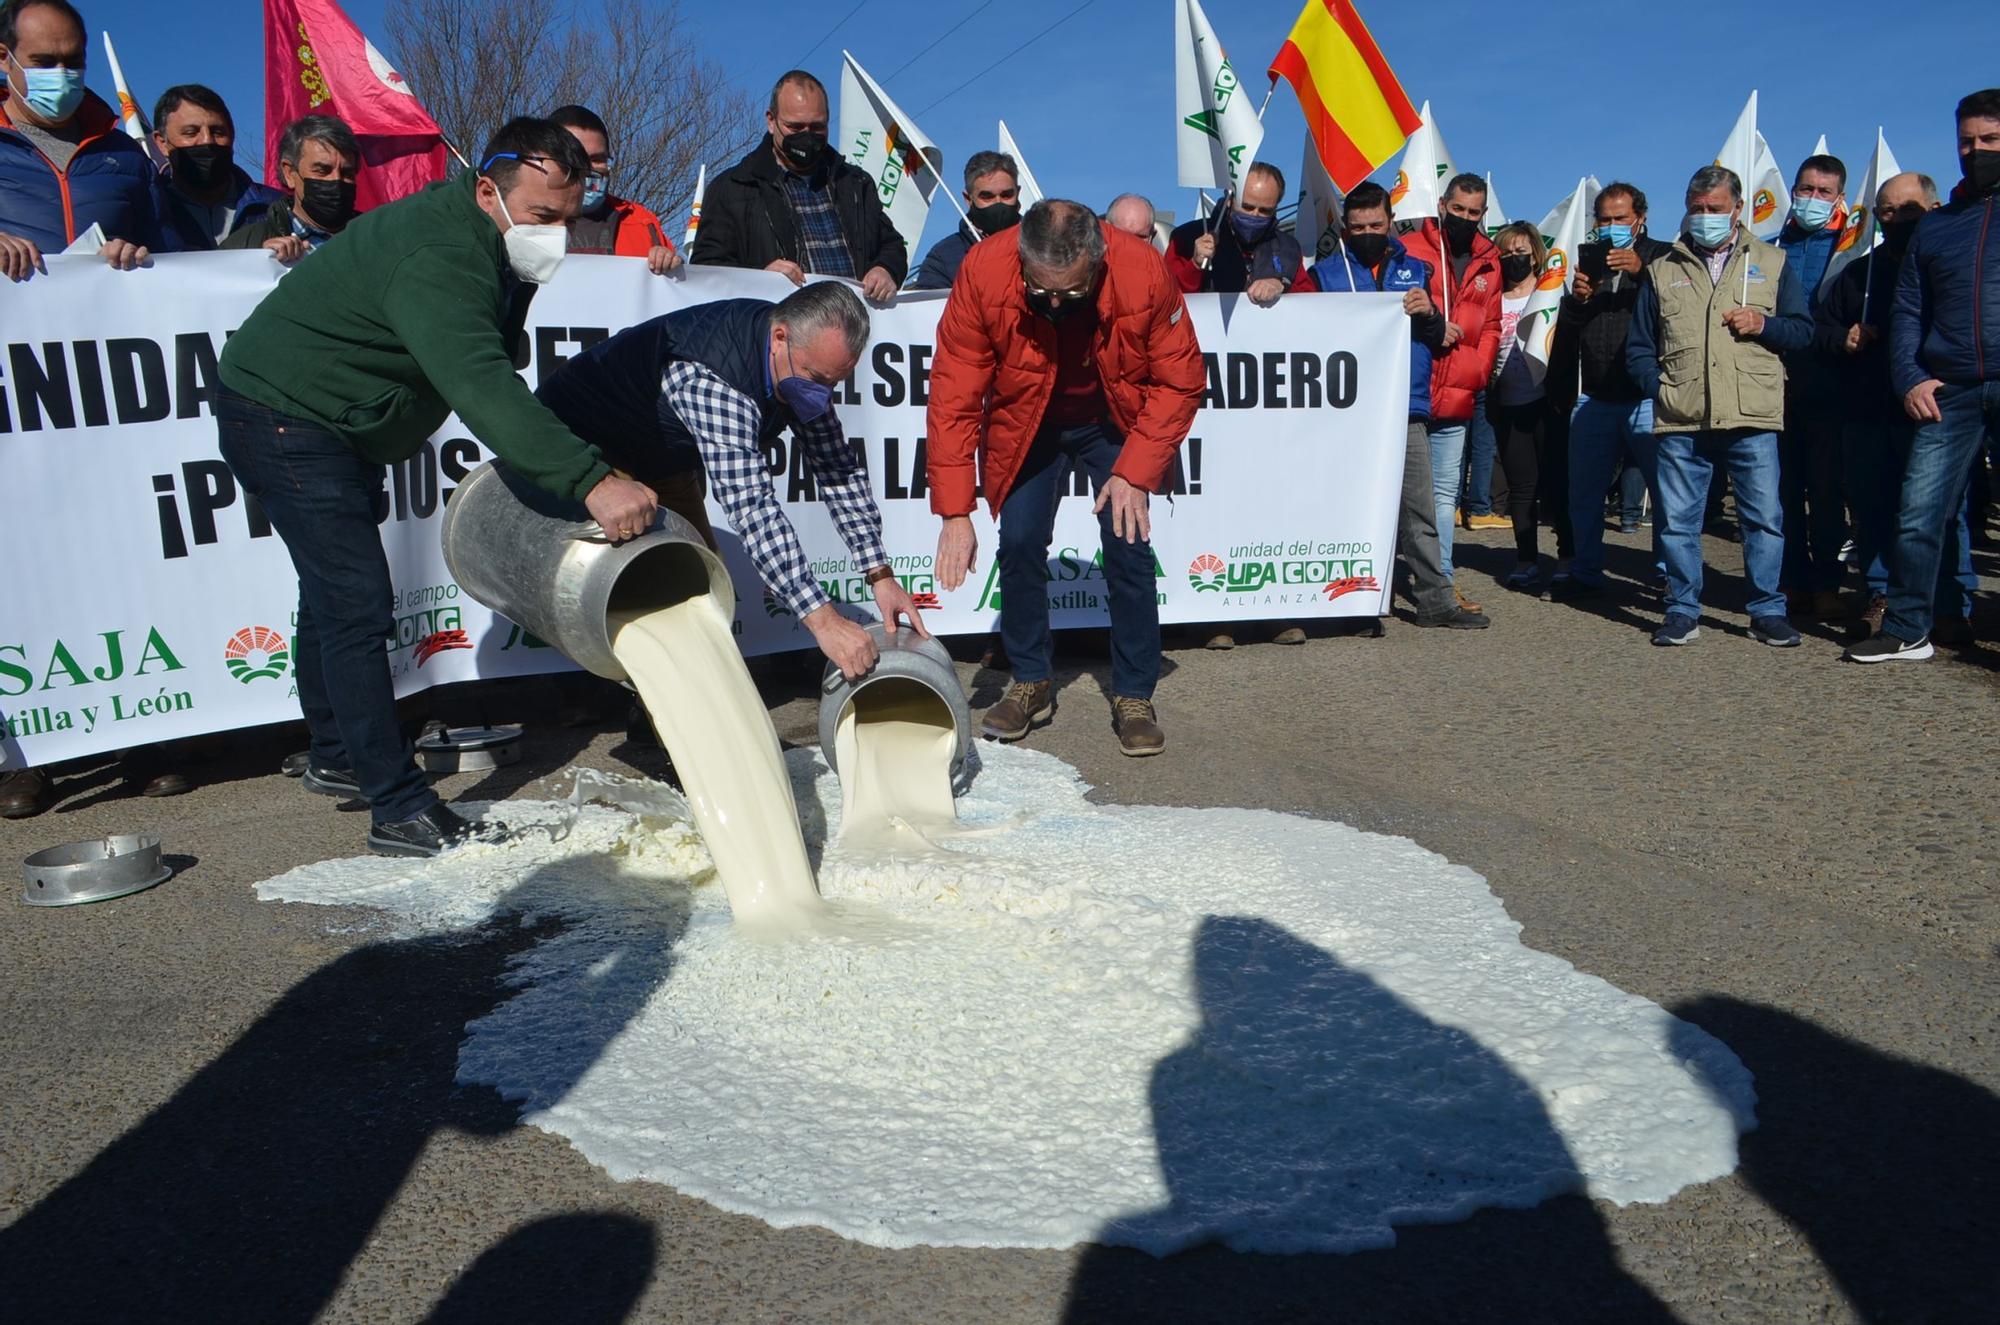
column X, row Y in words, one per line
column 1537, row 95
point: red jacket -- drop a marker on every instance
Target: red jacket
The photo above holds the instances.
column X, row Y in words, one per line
column 995, row 371
column 636, row 229
column 1460, row 373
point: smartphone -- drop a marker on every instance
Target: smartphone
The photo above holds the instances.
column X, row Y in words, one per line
column 1590, row 259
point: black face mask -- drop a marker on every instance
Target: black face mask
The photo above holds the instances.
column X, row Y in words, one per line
column 804, row 148
column 200, row 168
column 1459, row 232
column 1515, row 268
column 1055, row 310
column 995, row 217
column 1368, row 250
column 329, row 203
column 1896, row 234
column 1982, row 171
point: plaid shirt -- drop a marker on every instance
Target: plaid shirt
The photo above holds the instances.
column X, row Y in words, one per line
column 725, row 423
column 822, row 248
column 312, row 234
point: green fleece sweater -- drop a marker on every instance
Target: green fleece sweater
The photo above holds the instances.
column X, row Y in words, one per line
column 397, row 321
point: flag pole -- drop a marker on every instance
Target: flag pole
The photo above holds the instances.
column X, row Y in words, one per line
column 1269, row 93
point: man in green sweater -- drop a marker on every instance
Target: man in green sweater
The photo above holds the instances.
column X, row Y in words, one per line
column 356, row 358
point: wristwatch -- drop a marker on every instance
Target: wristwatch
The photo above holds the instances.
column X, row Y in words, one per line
column 879, row 574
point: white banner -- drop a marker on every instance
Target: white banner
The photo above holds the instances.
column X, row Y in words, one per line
column 147, row 599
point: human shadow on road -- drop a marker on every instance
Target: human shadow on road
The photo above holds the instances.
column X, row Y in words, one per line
column 1891, row 1169
column 586, row 1269
column 1291, row 1043
column 247, row 1195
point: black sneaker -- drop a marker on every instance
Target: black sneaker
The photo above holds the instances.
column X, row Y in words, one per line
column 1885, row 647
column 1456, row 619
column 1678, row 628
column 1775, row 631
column 437, row 829
column 330, row 781
column 295, row 765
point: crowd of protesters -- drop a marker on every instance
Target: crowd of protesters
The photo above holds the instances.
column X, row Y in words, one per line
column 1851, row 419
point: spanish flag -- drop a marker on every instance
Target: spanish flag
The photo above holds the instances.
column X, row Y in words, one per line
column 1355, row 109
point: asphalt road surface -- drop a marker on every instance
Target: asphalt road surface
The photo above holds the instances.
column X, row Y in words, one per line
column 215, row 1109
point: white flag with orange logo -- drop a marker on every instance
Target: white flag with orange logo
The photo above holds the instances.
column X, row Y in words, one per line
column 877, row 136
column 1421, row 175
column 1031, row 192
column 130, row 117
column 1563, row 230
column 1766, row 201
column 1860, row 235
column 694, row 209
column 1318, row 225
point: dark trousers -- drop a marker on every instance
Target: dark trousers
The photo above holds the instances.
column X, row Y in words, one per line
column 1815, row 518
column 322, row 499
column 1027, row 524
column 1519, row 434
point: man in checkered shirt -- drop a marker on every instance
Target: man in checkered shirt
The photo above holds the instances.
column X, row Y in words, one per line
column 691, row 400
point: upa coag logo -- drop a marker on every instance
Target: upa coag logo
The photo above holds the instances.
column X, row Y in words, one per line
column 256, row 653
column 1206, row 573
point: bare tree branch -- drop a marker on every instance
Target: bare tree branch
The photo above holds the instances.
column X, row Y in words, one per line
column 475, row 64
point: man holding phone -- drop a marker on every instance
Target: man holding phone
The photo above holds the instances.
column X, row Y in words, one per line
column 1613, row 417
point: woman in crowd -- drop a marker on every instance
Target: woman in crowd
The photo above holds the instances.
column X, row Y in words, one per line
column 1514, row 402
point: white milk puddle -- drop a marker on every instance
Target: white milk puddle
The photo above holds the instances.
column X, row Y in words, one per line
column 1144, row 1026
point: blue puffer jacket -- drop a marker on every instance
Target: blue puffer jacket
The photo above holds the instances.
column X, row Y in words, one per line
column 1340, row 273
column 1808, row 252
column 181, row 233
column 109, row 181
column 1947, row 319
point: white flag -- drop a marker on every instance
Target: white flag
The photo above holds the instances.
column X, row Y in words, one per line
column 1766, row 200
column 1216, row 131
column 1819, row 148
column 130, row 117
column 1496, row 216
column 1421, row 175
column 1859, row 235
column 1031, row 192
column 1318, row 225
column 1562, row 231
column 876, row 136
column 694, row 209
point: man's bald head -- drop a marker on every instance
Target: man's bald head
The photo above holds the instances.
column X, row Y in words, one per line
column 1133, row 214
column 1898, row 191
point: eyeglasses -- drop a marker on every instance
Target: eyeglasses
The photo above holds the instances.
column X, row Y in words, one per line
column 1060, row 296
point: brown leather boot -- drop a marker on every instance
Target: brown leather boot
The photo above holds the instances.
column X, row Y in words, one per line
column 1025, row 704
column 1137, row 726
column 1464, row 604
column 24, row 793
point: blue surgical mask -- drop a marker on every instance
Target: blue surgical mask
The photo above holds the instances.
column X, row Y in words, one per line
column 53, row 94
column 1812, row 213
column 1618, row 236
column 1711, row 231
column 808, row 399
column 1251, row 228
column 595, row 188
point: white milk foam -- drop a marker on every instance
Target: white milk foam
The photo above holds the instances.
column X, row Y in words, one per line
column 710, row 717
column 1144, row 1026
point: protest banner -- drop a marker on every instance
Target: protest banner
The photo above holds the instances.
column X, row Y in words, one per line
column 147, row 597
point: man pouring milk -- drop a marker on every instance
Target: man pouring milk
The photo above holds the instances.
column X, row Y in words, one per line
column 685, row 401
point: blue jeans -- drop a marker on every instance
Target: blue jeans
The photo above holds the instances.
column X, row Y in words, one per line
column 1447, row 463
column 1600, row 433
column 1027, row 524
column 1934, row 484
column 1481, row 445
column 1686, row 463
column 1874, row 453
column 321, row 498
column 1815, row 514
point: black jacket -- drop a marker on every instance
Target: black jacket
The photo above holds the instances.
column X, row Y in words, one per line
column 940, row 266
column 746, row 220
column 1864, row 389
column 1594, row 333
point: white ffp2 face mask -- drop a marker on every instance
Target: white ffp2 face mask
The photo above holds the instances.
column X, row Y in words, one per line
column 533, row 251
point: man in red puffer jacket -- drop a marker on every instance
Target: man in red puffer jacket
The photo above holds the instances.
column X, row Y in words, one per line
column 1465, row 285
column 1065, row 346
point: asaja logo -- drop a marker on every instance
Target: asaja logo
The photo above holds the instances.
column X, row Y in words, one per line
column 256, row 653
column 1763, row 206
column 1206, row 573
